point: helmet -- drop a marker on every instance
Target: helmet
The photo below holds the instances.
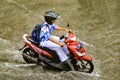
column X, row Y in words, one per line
column 50, row 16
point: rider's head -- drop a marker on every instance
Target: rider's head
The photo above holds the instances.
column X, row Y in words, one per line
column 51, row 16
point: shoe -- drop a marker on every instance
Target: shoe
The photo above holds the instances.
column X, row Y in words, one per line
column 68, row 61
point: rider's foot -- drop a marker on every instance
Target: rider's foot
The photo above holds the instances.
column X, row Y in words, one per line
column 68, row 61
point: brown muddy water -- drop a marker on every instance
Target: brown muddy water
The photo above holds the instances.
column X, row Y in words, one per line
column 95, row 22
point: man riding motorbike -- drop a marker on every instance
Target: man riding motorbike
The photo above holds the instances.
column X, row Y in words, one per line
column 51, row 42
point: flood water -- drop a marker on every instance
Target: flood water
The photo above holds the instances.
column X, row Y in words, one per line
column 95, row 23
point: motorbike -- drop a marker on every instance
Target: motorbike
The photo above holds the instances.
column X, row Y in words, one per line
column 33, row 53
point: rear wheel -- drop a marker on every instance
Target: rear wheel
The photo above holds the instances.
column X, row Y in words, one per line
column 85, row 66
column 29, row 55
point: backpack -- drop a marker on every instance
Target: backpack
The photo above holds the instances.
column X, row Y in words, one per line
column 36, row 33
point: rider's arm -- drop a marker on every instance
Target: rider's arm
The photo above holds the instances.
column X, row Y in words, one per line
column 64, row 29
column 57, row 42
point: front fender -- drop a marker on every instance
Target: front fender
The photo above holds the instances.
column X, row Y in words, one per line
column 87, row 58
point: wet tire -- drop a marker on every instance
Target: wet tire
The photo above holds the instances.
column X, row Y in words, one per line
column 85, row 66
column 27, row 53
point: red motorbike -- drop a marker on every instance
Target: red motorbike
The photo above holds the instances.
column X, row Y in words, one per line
column 32, row 53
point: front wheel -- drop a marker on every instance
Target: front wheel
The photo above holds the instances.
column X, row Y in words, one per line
column 85, row 66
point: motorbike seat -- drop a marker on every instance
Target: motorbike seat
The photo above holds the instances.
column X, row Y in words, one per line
column 31, row 40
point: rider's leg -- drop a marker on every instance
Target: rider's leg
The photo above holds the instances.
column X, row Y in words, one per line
column 53, row 46
column 65, row 49
column 63, row 57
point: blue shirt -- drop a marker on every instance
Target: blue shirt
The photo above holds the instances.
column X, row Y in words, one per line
column 46, row 31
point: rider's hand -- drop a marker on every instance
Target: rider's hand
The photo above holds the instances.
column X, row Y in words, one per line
column 62, row 44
